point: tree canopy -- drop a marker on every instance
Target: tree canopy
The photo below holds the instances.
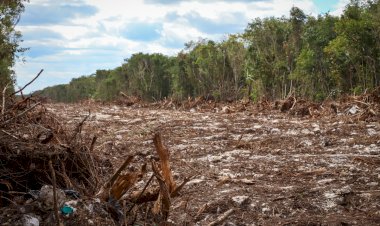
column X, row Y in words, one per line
column 313, row 57
column 10, row 12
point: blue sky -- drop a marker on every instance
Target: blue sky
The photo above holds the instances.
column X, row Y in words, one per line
column 72, row 38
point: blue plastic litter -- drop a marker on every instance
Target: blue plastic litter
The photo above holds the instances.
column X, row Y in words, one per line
column 66, row 210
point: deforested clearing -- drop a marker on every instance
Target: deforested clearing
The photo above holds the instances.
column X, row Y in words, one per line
column 267, row 167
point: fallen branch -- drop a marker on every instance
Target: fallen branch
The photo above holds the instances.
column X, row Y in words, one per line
column 178, row 189
column 221, row 218
column 20, row 90
column 201, row 210
column 294, row 103
column 79, row 126
column 9, row 134
column 282, row 198
column 141, row 193
column 104, row 191
column 21, row 114
column 125, row 182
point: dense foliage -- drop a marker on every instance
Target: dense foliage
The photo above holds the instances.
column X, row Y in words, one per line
column 10, row 11
column 313, row 57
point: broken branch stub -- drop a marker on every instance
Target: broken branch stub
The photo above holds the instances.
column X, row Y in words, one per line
column 163, row 153
column 104, row 192
column 124, row 183
column 161, row 207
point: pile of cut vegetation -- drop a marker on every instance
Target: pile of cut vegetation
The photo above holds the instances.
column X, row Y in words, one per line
column 50, row 174
column 33, row 143
column 364, row 107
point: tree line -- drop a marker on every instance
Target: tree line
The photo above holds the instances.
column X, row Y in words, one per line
column 10, row 38
column 311, row 57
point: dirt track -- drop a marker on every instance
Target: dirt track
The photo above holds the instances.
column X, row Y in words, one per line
column 271, row 168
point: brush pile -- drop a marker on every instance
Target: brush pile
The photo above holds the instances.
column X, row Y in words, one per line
column 50, row 174
column 364, row 107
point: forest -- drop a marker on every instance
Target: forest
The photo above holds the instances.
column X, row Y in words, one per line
column 310, row 57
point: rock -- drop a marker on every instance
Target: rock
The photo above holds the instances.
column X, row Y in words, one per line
column 47, row 199
column 240, row 200
column 30, row 220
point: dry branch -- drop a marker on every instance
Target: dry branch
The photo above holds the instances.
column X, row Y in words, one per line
column 123, row 184
column 161, row 206
column 178, row 189
column 20, row 90
column 19, row 115
column 3, row 106
column 221, row 218
column 105, row 190
column 163, row 153
column 78, row 128
column 142, row 192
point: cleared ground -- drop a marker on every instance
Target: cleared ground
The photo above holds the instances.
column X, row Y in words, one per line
column 271, row 168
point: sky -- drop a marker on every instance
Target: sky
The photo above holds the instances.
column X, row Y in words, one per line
column 72, row 38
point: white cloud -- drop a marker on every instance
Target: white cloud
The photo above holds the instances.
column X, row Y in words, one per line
column 96, row 40
column 339, row 8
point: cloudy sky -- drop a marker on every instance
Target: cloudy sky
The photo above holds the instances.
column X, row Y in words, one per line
column 72, row 38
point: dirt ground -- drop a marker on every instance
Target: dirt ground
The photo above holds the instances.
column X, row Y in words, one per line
column 268, row 167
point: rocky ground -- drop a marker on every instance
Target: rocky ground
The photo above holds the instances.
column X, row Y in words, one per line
column 263, row 167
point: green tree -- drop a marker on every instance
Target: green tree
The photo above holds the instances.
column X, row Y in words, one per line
column 235, row 52
column 10, row 12
column 110, row 83
column 312, row 69
column 354, row 53
column 149, row 75
column 268, row 58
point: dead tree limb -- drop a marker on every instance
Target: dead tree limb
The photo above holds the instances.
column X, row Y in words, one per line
column 163, row 153
column 54, row 192
column 3, row 106
column 104, row 191
column 178, row 189
column 21, row 114
column 20, row 90
column 221, row 218
column 161, row 206
column 78, row 128
column 141, row 193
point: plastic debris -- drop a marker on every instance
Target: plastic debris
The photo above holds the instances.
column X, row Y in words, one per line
column 354, row 109
column 67, row 210
column 72, row 194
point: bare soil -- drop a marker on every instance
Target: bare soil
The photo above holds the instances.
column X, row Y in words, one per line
column 271, row 168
